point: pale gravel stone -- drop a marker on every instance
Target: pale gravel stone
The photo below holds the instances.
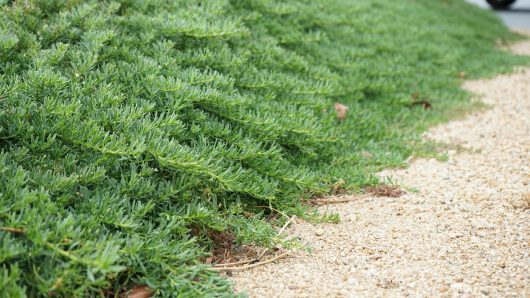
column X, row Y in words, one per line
column 466, row 233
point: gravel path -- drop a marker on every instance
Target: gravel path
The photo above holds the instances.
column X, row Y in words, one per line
column 466, row 232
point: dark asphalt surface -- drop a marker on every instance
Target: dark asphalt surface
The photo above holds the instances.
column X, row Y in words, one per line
column 517, row 17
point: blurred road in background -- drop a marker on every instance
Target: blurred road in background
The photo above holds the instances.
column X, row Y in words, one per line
column 518, row 17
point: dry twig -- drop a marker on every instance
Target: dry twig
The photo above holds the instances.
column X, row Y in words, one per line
column 236, row 263
column 279, row 233
column 252, row 265
column 12, row 230
column 328, row 201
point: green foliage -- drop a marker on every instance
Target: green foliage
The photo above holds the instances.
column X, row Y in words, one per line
column 129, row 130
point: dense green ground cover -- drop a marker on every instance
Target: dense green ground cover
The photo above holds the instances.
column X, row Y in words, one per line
column 132, row 130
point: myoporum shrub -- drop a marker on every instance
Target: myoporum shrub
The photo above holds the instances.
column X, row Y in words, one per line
column 134, row 133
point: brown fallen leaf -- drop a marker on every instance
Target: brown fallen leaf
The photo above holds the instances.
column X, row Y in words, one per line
column 424, row 103
column 140, row 292
column 341, row 110
column 418, row 99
